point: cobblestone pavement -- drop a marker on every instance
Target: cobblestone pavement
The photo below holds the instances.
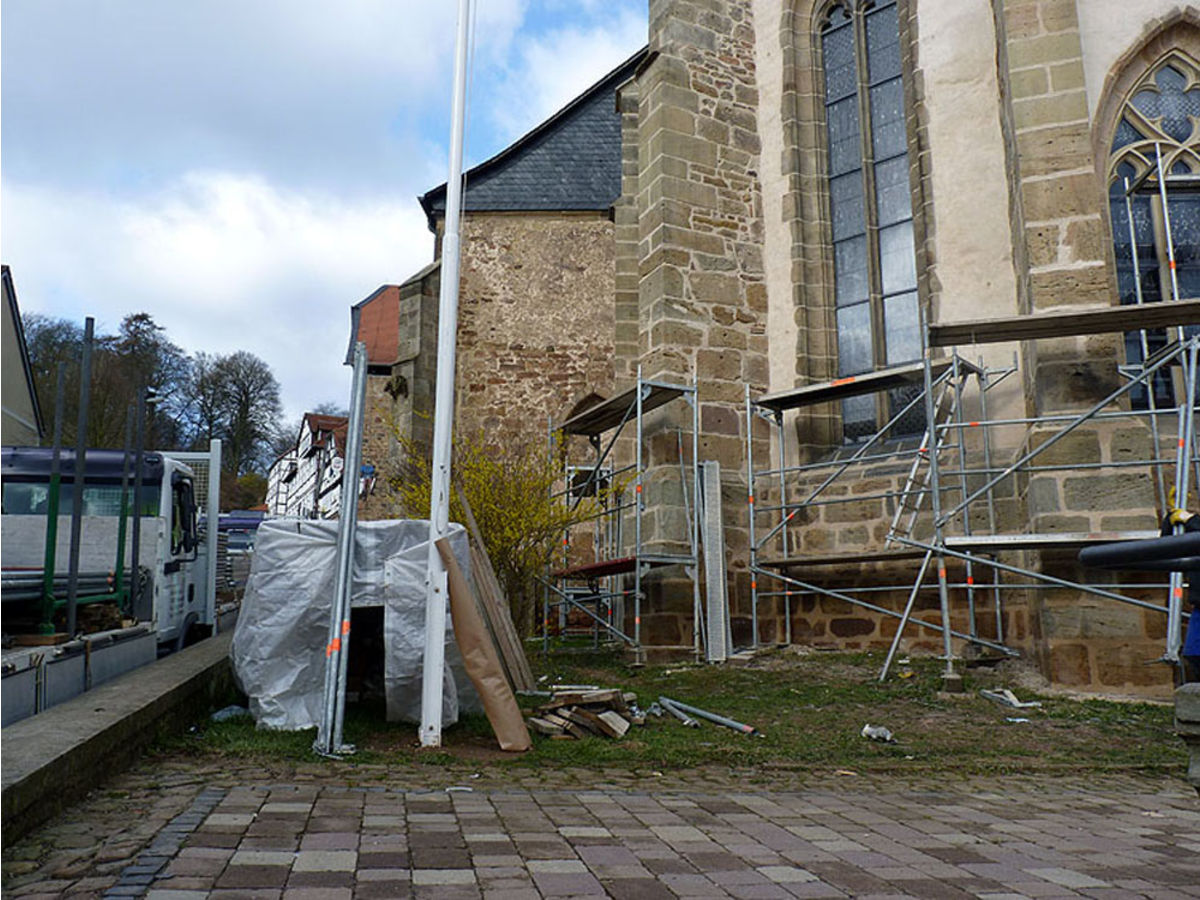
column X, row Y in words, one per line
column 171, row 831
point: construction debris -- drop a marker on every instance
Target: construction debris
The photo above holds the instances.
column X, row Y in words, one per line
column 664, row 703
column 675, row 707
column 1005, row 697
column 580, row 711
column 878, row 733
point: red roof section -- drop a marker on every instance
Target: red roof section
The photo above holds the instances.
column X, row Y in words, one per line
column 338, row 425
column 379, row 325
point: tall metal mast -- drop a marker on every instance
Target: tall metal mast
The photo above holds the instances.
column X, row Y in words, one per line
column 443, row 416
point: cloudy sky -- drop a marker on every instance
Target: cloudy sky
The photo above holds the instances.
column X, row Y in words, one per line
column 246, row 170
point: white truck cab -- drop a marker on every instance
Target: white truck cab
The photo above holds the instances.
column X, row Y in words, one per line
column 175, row 598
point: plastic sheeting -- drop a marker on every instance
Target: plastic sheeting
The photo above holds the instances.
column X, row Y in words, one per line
column 278, row 647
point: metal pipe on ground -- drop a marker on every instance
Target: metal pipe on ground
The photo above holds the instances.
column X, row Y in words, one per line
column 678, row 713
column 739, row 727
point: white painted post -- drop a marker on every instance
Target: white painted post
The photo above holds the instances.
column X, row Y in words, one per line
column 443, row 415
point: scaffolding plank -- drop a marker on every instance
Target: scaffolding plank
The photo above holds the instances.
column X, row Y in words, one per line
column 854, row 385
column 1066, row 324
column 835, row 559
column 600, row 569
column 622, row 565
column 608, row 414
column 1044, row 541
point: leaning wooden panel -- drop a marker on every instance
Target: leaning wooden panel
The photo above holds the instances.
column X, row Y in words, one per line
column 495, row 606
column 480, row 659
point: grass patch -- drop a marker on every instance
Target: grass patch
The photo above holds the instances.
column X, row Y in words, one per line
column 809, row 707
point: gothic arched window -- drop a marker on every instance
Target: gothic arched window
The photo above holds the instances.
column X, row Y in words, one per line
column 1160, row 118
column 875, row 287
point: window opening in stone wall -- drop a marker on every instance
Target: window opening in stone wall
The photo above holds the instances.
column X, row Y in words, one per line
column 1161, row 116
column 875, row 273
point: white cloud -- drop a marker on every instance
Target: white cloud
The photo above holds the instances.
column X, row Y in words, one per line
column 316, row 93
column 223, row 261
column 550, row 68
column 246, row 171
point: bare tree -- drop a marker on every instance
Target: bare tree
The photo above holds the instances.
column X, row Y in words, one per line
column 207, row 412
column 250, row 396
column 140, row 355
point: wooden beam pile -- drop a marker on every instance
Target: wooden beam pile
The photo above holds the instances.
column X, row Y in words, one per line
column 574, row 714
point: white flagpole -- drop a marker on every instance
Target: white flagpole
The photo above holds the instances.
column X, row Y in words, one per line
column 443, row 415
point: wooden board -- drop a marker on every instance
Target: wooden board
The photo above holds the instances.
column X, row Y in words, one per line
column 855, row 385
column 618, row 410
column 616, row 722
column 40, row 640
column 1102, row 320
column 495, row 607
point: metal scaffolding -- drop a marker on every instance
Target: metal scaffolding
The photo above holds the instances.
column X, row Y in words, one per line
column 948, row 483
column 601, row 587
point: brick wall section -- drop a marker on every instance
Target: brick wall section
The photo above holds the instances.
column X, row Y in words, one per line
column 702, row 296
column 535, row 335
column 535, row 330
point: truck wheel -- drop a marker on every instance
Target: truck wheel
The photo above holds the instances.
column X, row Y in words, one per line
column 185, row 638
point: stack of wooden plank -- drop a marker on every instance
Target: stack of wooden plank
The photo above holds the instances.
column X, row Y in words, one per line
column 573, row 714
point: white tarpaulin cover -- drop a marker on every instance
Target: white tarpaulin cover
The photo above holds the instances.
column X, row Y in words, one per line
column 278, row 647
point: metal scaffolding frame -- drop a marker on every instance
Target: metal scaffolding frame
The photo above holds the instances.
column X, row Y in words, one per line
column 601, row 588
column 951, row 493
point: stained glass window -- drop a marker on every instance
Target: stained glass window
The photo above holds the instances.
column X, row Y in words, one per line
column 870, row 201
column 1159, row 124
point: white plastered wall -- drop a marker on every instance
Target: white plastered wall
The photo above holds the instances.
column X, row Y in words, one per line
column 777, row 241
column 972, row 263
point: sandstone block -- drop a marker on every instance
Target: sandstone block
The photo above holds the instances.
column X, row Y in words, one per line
column 1073, row 385
column 1070, row 665
column 1059, row 17
column 1050, row 109
column 1109, row 492
column 1066, row 76
column 675, row 334
column 1043, row 495
column 715, row 287
column 1045, row 151
column 1029, row 82
column 1061, row 197
column 853, row 538
column 1087, row 239
column 1042, row 241
column 1126, row 664
column 856, row 626
column 856, row 511
column 1130, row 444
column 1144, row 522
column 1077, row 621
column 723, row 364
column 1026, row 52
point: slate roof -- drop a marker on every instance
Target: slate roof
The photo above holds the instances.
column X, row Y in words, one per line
column 572, row 161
